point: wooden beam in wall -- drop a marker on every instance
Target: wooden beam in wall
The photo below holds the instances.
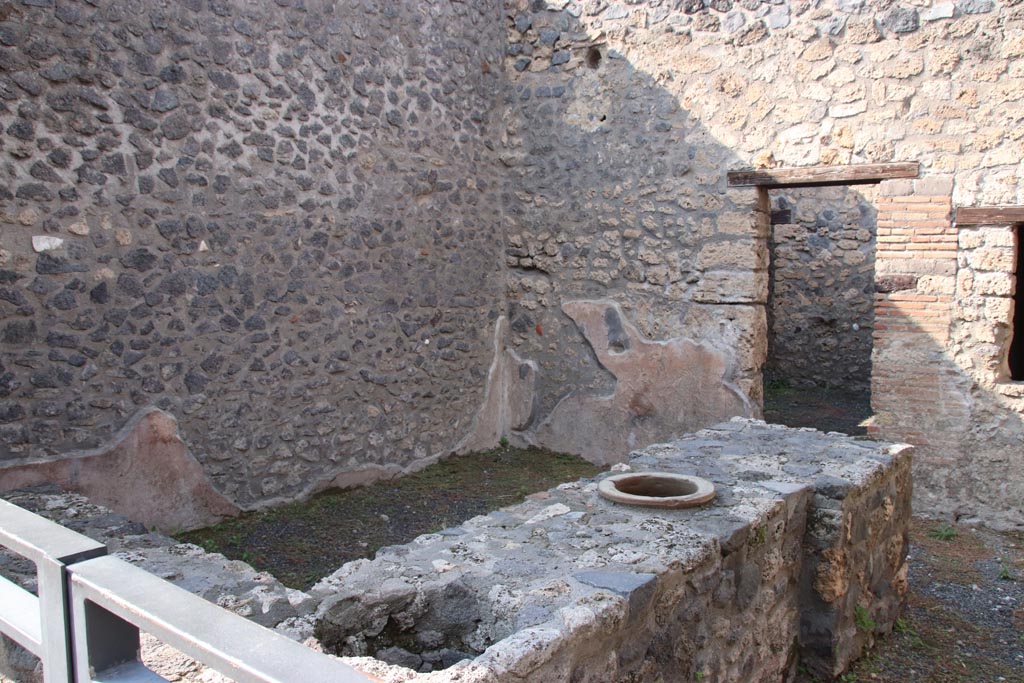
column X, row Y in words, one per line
column 823, row 176
column 989, row 215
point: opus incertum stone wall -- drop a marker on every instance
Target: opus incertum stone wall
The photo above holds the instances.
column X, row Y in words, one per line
column 279, row 222
column 336, row 241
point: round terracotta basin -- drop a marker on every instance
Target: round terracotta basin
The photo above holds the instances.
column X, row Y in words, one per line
column 657, row 489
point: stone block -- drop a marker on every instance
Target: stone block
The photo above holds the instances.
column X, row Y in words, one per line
column 719, row 287
column 936, row 284
column 995, row 259
column 741, row 223
column 636, row 588
column 994, row 284
column 901, row 187
column 737, row 255
column 999, row 237
column 970, row 238
column 934, row 186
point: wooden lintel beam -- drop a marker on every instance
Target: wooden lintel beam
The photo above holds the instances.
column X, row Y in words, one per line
column 823, row 176
column 989, row 215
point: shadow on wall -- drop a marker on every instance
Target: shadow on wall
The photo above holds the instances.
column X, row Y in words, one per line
column 941, row 381
column 969, row 438
column 618, row 194
column 637, row 280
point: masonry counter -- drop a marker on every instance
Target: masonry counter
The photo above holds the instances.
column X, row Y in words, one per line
column 801, row 556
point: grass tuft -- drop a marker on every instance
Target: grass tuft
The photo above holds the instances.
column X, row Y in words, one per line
column 943, row 532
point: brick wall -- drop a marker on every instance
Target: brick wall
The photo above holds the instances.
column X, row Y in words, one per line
column 943, row 312
column 916, row 260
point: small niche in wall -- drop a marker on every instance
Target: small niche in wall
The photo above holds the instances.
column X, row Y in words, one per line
column 593, row 58
column 1016, row 356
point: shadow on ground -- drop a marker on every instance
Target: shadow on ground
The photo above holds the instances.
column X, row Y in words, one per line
column 830, row 410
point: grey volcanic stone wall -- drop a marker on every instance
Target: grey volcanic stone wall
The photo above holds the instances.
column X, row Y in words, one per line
column 821, row 299
column 277, row 221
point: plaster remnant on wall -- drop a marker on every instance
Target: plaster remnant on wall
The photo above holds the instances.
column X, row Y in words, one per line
column 508, row 398
column 661, row 387
column 146, row 473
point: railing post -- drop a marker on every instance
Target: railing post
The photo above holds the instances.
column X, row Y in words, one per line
column 55, row 621
column 109, row 639
column 51, row 547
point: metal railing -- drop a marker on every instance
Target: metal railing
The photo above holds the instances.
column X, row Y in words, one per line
column 85, row 623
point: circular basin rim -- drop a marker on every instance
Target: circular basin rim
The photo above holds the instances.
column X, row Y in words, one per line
column 705, row 490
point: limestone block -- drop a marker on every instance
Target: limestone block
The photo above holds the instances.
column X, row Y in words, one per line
column 41, row 243
column 733, row 255
column 999, row 310
column 1000, row 237
column 1000, row 259
column 942, row 10
column 839, row 111
column 970, row 238
column 994, row 284
column 915, row 266
column 741, row 223
column 717, row 287
column 936, row 284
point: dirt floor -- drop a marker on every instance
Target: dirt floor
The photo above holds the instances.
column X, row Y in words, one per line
column 302, row 542
column 830, row 410
column 964, row 620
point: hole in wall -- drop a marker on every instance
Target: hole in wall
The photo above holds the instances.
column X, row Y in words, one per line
column 593, row 58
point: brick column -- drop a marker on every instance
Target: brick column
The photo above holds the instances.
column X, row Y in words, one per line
column 916, row 390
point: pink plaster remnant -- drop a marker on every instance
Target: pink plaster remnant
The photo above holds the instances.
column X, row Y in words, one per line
column 663, row 389
column 146, row 474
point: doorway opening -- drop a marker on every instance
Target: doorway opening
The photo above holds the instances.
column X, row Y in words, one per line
column 820, row 307
column 821, row 290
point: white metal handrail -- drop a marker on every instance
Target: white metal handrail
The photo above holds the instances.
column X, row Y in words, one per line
column 41, row 624
column 98, row 604
column 112, row 600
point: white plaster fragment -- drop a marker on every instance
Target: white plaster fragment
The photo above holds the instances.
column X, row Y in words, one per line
column 549, row 512
column 41, row 243
column 943, row 10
